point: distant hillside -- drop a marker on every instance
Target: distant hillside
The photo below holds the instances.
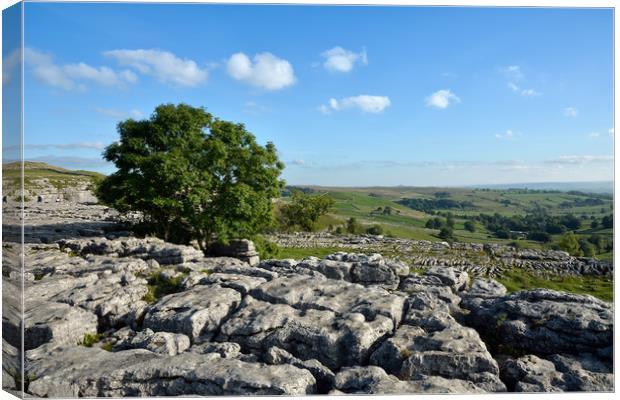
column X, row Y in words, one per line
column 42, row 169
column 46, row 181
column 588, row 187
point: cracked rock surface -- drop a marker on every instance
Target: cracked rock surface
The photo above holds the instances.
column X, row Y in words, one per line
column 114, row 315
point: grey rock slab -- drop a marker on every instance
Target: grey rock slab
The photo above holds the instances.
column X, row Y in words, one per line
column 158, row 342
column 447, row 350
column 455, row 279
column 325, row 378
column 241, row 283
column 545, row 322
column 59, row 323
column 196, row 313
column 306, row 333
column 91, row 372
column 225, row 349
column 319, row 293
column 116, row 298
column 374, row 380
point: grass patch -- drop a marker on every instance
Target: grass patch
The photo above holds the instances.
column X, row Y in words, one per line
column 107, row 346
column 90, row 339
column 518, row 279
column 159, row 286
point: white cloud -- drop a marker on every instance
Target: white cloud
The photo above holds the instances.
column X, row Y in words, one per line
column 580, row 159
column 442, row 99
column 571, row 112
column 523, row 92
column 365, row 103
column 69, row 76
column 163, row 65
column 611, row 131
column 297, row 162
column 9, row 64
column 338, row 59
column 513, row 72
column 136, row 114
column 509, row 134
column 594, row 134
column 265, row 71
column 530, row 92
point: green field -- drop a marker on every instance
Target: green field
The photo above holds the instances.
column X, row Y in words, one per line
column 405, row 222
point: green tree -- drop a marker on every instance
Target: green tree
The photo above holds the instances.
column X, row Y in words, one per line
column 353, row 226
column 375, row 230
column 304, row 210
column 192, row 176
column 570, row 244
column 446, row 233
column 470, row 226
column 587, row 248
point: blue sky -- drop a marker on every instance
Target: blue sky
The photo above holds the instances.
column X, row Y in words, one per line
column 349, row 95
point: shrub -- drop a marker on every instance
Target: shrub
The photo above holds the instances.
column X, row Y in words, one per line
column 375, row 230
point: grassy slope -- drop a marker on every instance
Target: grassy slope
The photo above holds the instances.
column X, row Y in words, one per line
column 58, row 177
column 408, row 223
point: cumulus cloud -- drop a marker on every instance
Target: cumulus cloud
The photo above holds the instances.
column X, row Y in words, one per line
column 442, row 99
column 365, row 103
column 338, row 59
column 611, row 131
column 265, row 71
column 571, row 112
column 110, row 112
column 73, row 76
column 162, row 65
column 594, row 134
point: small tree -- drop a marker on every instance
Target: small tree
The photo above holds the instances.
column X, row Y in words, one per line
column 446, row 233
column 304, row 210
column 587, row 248
column 570, row 244
column 375, row 230
column 470, row 226
column 353, row 226
column 192, row 176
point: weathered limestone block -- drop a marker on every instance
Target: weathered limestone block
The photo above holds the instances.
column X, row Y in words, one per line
column 196, row 313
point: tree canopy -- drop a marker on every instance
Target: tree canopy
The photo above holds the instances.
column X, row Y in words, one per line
column 304, row 210
column 192, row 176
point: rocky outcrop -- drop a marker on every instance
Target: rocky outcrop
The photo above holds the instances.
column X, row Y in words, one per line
column 558, row 373
column 164, row 320
column 545, row 322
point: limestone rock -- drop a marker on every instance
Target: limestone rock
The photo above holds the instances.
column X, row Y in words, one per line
column 63, row 324
column 92, row 372
column 196, row 313
column 545, row 322
column 158, row 342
